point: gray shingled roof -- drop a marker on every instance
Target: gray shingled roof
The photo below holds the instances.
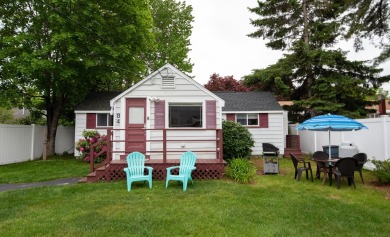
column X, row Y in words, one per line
column 234, row 101
column 248, row 101
column 98, row 101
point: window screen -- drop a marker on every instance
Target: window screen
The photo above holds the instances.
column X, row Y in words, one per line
column 185, row 115
column 104, row 120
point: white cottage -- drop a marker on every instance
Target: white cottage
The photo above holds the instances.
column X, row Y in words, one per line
column 162, row 116
column 168, row 113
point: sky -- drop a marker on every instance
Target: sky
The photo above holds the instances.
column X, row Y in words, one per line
column 219, row 41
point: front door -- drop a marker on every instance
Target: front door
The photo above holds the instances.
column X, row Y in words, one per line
column 135, row 125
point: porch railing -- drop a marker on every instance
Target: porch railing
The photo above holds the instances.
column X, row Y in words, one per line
column 109, row 151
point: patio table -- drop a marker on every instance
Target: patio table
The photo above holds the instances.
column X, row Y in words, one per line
column 329, row 163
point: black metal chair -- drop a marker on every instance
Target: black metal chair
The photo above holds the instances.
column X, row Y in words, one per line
column 270, row 150
column 345, row 168
column 321, row 167
column 298, row 170
column 361, row 158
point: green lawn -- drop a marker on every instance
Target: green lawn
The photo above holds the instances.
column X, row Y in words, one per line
column 43, row 170
column 274, row 205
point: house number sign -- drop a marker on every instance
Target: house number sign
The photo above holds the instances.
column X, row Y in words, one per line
column 117, row 119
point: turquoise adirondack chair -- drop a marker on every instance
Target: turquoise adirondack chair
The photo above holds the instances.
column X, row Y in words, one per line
column 135, row 170
column 187, row 165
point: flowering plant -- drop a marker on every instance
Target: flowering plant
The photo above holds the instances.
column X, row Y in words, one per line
column 83, row 145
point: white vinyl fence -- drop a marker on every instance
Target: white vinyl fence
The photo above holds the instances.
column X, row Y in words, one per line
column 373, row 141
column 20, row 143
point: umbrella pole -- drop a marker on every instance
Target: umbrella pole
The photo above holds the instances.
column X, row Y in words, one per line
column 330, row 156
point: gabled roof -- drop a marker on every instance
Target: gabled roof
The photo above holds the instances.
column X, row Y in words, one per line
column 173, row 69
column 98, row 101
column 249, row 101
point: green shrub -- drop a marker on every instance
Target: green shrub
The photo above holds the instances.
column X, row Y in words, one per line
column 241, row 170
column 83, row 145
column 6, row 116
column 237, row 141
column 382, row 171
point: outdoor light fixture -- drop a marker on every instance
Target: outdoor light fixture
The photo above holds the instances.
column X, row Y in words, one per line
column 154, row 99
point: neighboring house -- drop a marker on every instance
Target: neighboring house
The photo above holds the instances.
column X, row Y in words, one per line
column 382, row 108
column 20, row 113
column 261, row 113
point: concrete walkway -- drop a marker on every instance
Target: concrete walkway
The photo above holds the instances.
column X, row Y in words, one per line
column 58, row 182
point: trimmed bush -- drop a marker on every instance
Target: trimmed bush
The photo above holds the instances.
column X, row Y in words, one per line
column 382, row 171
column 241, row 170
column 237, row 141
column 83, row 145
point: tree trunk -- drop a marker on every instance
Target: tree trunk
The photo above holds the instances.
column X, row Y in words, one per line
column 306, row 40
column 309, row 71
column 53, row 116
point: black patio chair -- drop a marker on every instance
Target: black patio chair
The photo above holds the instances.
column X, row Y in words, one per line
column 320, row 155
column 298, row 170
column 361, row 159
column 345, row 168
column 270, row 150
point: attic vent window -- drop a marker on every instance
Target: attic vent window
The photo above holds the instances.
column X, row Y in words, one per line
column 168, row 82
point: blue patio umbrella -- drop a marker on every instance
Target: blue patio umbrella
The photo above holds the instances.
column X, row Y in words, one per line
column 330, row 122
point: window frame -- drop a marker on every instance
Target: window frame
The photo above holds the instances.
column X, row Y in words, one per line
column 186, row 104
column 109, row 120
column 247, row 119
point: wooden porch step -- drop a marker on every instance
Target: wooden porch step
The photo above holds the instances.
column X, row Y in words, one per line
column 287, row 152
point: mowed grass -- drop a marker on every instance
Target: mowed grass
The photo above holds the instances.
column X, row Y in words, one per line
column 54, row 167
column 273, row 205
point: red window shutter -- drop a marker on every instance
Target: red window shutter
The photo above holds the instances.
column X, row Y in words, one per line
column 231, row 117
column 159, row 114
column 91, row 121
column 263, row 120
column 211, row 111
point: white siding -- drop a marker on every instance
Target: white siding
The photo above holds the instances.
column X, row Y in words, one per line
column 119, row 134
column 183, row 144
column 80, row 126
column 184, row 91
column 274, row 134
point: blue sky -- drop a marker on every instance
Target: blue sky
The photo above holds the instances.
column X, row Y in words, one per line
column 220, row 43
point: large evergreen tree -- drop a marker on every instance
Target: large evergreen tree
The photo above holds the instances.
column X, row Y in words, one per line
column 369, row 19
column 319, row 78
column 53, row 52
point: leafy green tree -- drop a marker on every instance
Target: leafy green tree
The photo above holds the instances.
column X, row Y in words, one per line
column 172, row 30
column 318, row 78
column 54, row 52
column 6, row 116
